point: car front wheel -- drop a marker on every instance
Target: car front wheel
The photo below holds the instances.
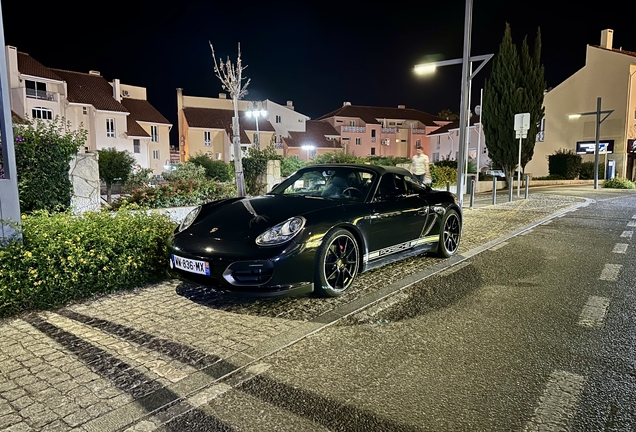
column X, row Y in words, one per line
column 337, row 263
column 449, row 235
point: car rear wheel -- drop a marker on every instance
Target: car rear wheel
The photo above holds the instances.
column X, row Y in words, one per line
column 449, row 235
column 337, row 263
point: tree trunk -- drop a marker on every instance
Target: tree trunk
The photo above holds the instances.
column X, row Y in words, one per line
column 108, row 189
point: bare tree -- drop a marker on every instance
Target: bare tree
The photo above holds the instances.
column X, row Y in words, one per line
column 231, row 77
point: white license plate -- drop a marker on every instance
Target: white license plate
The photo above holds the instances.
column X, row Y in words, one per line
column 190, row 265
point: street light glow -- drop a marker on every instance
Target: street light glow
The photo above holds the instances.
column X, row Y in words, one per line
column 425, row 69
column 574, row 116
column 308, row 147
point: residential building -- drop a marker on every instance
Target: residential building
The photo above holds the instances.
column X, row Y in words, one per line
column 444, row 143
column 608, row 73
column 368, row 131
column 319, row 137
column 205, row 125
column 113, row 114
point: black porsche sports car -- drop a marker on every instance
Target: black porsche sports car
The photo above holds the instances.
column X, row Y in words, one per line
column 315, row 231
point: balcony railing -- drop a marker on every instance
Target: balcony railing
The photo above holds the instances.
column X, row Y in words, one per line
column 355, row 129
column 419, row 131
column 388, row 130
column 372, row 139
column 40, row 94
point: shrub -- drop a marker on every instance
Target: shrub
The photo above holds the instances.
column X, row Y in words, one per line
column 619, row 183
column 185, row 171
column 290, row 165
column 177, row 194
column 43, row 151
column 564, row 163
column 549, row 177
column 387, row 160
column 441, row 174
column 255, row 166
column 336, row 157
column 64, row 258
column 214, row 169
column 140, row 179
column 587, row 171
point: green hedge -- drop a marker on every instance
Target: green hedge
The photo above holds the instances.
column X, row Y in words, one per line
column 564, row 163
column 64, row 257
column 619, row 183
column 441, row 174
column 177, row 194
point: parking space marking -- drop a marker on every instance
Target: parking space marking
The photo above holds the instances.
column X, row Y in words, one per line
column 526, row 232
column 620, row 248
column 610, row 272
column 499, row 246
column 627, row 234
column 547, row 222
column 632, row 224
column 594, row 312
column 557, row 403
column 455, row 268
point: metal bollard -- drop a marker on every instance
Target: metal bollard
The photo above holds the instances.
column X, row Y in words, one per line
column 494, row 190
column 527, row 181
column 447, row 186
column 472, row 193
column 510, row 188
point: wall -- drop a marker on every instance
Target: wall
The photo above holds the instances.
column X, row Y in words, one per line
column 84, row 176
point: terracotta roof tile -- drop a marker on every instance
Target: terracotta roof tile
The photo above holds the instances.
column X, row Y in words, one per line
column 374, row 115
column 453, row 126
column 315, row 134
column 142, row 110
column 29, row 66
column 213, row 118
column 91, row 90
column 629, row 53
column 134, row 129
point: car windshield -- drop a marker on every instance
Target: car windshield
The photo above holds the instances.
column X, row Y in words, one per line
column 344, row 183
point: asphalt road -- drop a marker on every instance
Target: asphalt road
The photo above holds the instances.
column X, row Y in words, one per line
column 536, row 333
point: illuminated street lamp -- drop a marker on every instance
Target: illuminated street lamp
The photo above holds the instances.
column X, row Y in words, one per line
column 467, row 76
column 599, row 120
column 309, row 148
column 256, row 113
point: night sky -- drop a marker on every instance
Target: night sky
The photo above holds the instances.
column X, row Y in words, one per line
column 316, row 54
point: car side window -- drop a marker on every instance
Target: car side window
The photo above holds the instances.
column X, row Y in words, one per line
column 387, row 189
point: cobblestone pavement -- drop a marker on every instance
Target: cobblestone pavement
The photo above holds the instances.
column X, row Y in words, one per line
column 105, row 364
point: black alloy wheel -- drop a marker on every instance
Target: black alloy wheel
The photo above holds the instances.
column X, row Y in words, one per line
column 449, row 235
column 337, row 263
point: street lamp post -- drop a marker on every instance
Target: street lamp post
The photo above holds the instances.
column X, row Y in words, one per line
column 309, row 148
column 256, row 113
column 426, row 68
column 599, row 120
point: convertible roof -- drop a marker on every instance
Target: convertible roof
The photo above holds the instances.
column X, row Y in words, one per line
column 380, row 169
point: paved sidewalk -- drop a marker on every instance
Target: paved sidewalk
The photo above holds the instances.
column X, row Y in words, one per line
column 130, row 361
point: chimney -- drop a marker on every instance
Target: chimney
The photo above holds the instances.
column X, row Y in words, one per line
column 116, row 90
column 179, row 99
column 290, row 105
column 94, row 72
column 607, row 37
column 401, row 106
column 12, row 62
column 222, row 96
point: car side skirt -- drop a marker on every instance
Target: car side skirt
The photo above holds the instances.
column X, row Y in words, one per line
column 400, row 251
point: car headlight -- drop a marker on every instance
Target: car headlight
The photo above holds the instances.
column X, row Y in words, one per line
column 282, row 232
column 190, row 217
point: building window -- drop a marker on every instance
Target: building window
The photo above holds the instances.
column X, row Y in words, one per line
column 37, row 90
column 42, row 113
column 438, row 139
column 279, row 119
column 358, row 141
column 155, row 154
column 136, row 146
column 338, row 121
column 372, row 133
column 372, row 151
column 154, row 136
column 206, row 139
column 110, row 128
column 84, row 110
column 352, row 122
column 418, row 144
column 435, row 157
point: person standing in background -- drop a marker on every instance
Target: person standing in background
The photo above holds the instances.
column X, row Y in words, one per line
column 420, row 167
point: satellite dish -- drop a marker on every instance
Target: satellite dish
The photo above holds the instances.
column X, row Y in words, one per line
column 478, row 110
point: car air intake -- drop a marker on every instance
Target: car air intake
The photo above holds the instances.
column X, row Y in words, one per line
column 249, row 272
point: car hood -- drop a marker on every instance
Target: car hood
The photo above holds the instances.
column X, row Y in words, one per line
column 248, row 217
